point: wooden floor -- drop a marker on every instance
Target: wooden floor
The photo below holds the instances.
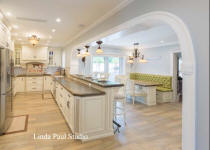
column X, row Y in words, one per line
column 148, row 128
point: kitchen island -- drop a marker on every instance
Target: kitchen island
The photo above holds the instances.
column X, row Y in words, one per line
column 86, row 106
column 109, row 88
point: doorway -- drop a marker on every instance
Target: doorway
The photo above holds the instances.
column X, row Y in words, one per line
column 188, row 67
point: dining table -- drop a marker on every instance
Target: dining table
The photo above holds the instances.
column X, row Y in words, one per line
column 149, row 88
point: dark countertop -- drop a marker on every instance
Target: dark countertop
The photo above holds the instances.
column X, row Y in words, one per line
column 78, row 89
column 105, row 84
column 33, row 75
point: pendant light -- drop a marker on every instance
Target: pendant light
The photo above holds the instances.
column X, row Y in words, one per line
column 87, row 53
column 78, row 53
column 142, row 60
column 130, row 60
column 99, row 50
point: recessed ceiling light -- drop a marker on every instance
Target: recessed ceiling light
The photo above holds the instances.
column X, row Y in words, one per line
column 58, row 20
column 15, row 26
column 162, row 41
column 53, row 30
column 9, row 14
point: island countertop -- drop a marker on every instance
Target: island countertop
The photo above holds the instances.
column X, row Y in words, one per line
column 105, row 84
column 78, row 89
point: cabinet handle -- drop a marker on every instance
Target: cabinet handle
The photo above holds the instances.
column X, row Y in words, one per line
column 33, row 88
column 69, row 95
column 33, row 82
column 61, row 88
column 61, row 95
column 68, row 104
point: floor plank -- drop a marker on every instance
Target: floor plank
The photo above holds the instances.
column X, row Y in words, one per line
column 148, row 128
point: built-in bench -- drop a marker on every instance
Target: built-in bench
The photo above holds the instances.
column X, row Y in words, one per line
column 164, row 91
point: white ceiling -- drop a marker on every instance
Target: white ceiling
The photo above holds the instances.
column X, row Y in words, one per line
column 76, row 15
column 148, row 34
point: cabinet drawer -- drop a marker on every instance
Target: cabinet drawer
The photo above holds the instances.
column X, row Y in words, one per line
column 34, row 88
column 34, row 82
column 34, row 78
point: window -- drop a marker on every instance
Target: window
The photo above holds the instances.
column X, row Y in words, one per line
column 111, row 65
column 98, row 64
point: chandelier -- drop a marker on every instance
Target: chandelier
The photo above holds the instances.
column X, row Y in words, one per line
column 33, row 40
column 136, row 55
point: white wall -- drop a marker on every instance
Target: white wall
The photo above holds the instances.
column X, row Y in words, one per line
column 159, row 60
column 195, row 14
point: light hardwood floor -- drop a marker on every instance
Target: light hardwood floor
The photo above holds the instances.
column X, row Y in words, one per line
column 148, row 128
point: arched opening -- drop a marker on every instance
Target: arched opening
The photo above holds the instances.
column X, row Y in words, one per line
column 188, row 67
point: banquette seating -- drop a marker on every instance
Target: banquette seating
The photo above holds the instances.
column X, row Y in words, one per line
column 164, row 91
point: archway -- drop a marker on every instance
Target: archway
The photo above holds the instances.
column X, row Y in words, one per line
column 186, row 46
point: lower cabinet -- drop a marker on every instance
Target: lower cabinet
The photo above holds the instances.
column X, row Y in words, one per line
column 18, row 85
column 34, row 84
column 86, row 116
column 65, row 102
column 47, row 83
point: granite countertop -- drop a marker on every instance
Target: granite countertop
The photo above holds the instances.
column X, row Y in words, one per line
column 78, row 89
column 33, row 75
column 105, row 84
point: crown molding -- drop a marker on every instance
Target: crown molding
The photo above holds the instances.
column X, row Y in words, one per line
column 119, row 7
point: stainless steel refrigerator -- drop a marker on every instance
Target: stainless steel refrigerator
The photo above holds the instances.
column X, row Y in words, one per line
column 6, row 69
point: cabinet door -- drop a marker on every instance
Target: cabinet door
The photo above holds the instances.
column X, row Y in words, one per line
column 28, row 53
column 70, row 111
column 47, row 83
column 20, row 84
column 41, row 53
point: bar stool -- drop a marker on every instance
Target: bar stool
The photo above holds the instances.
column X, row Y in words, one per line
column 120, row 98
column 134, row 91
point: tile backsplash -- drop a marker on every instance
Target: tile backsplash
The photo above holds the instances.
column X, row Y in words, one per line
column 48, row 70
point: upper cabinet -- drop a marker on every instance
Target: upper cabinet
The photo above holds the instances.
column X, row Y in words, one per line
column 54, row 56
column 30, row 53
column 5, row 37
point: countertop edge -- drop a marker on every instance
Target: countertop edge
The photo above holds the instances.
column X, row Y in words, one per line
column 81, row 95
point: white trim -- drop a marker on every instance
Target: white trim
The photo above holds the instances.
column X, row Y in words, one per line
column 186, row 47
column 122, row 5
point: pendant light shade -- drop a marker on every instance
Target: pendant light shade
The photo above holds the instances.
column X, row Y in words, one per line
column 130, row 60
column 99, row 50
column 78, row 53
column 87, row 53
column 142, row 60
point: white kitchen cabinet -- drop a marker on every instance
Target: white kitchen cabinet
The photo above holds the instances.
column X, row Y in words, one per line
column 34, row 84
column 65, row 101
column 18, row 85
column 47, row 83
column 5, row 37
column 55, row 56
column 30, row 53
